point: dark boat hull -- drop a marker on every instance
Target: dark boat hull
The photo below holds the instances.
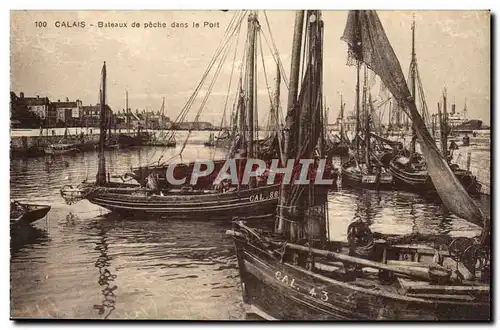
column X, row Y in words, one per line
column 32, row 213
column 278, row 290
column 358, row 180
column 421, row 182
column 259, row 201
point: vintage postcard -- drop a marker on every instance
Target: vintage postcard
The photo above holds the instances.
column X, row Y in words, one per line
column 247, row 164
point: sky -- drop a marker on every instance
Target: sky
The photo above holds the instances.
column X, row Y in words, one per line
column 453, row 51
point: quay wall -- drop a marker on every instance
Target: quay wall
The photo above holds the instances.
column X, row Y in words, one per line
column 25, row 143
column 479, row 165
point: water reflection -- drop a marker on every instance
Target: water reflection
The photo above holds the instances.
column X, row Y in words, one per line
column 168, row 269
column 25, row 236
column 106, row 278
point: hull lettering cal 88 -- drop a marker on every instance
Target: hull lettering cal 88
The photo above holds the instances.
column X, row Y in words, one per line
column 263, row 196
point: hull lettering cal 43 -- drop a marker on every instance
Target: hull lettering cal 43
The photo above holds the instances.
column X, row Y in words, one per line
column 313, row 292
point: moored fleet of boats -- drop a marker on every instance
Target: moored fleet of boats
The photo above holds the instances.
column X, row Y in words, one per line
column 296, row 271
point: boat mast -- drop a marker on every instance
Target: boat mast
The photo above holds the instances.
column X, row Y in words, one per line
column 413, row 67
column 101, row 172
column 275, row 109
column 444, row 127
column 292, row 100
column 252, row 20
column 366, row 117
column 358, row 128
column 242, row 118
column 341, row 117
column 127, row 111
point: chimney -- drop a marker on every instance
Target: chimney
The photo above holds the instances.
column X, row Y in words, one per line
column 21, row 95
column 57, row 100
column 67, row 99
column 38, row 96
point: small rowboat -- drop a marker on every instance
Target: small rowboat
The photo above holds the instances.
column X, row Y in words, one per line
column 21, row 213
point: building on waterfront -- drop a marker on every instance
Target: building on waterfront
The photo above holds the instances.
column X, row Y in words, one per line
column 91, row 115
column 39, row 107
column 68, row 113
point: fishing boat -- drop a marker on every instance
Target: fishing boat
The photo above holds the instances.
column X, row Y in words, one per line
column 61, row 148
column 154, row 195
column 409, row 168
column 163, row 138
column 297, row 273
column 338, row 145
column 413, row 176
column 23, row 213
column 364, row 169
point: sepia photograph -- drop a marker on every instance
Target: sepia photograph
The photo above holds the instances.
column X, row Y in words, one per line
column 216, row 165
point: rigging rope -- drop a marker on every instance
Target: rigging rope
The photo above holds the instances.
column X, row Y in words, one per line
column 277, row 59
column 231, row 29
column 274, row 107
column 230, row 78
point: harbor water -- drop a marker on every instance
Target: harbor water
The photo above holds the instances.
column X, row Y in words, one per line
column 84, row 262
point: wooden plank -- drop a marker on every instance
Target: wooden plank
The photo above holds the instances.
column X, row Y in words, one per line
column 424, row 287
column 414, row 272
column 442, row 296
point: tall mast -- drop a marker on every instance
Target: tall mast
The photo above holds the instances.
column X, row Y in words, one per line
column 242, row 118
column 292, row 100
column 101, row 172
column 358, row 68
column 341, row 117
column 444, row 126
column 160, row 113
column 413, row 67
column 127, row 111
column 358, row 128
column 275, row 109
column 366, row 117
column 252, row 20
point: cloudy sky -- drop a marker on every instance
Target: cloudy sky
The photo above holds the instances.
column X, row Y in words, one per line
column 453, row 51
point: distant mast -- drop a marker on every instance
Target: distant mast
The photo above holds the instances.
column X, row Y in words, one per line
column 101, row 172
column 127, row 111
column 341, row 117
column 413, row 67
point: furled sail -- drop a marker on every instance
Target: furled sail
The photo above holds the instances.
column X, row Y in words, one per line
column 369, row 44
column 303, row 207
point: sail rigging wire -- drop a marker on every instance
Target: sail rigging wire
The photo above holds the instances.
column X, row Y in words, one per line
column 219, row 49
column 274, row 110
column 368, row 43
column 276, row 57
column 230, row 30
column 207, row 95
column 230, row 77
column 229, row 34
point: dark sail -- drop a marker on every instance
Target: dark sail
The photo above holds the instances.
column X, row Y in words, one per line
column 368, row 43
column 304, row 205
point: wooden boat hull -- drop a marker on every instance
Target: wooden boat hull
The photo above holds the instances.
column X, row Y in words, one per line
column 32, row 213
column 357, row 179
column 269, row 284
column 259, row 201
column 421, row 182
